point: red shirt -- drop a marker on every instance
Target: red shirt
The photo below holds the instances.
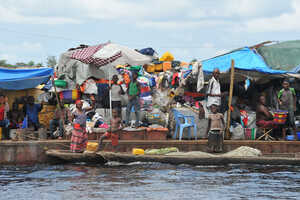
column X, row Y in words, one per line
column 2, row 110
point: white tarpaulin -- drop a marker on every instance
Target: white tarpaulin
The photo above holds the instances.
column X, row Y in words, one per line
column 128, row 56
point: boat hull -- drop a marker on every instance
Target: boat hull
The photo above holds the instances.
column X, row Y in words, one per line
column 68, row 156
column 199, row 160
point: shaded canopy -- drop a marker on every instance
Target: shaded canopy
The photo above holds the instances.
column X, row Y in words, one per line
column 245, row 59
column 20, row 79
column 283, row 55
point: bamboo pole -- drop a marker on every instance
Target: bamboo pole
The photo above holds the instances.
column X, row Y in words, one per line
column 55, row 91
column 58, row 101
column 227, row 136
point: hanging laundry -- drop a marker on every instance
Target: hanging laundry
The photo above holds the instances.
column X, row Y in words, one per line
column 197, row 68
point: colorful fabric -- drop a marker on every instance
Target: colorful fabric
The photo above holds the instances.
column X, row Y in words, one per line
column 2, row 109
column 114, row 138
column 80, row 118
column 244, row 117
column 85, row 55
column 133, row 88
column 79, row 139
column 174, row 78
column 266, row 124
column 250, row 133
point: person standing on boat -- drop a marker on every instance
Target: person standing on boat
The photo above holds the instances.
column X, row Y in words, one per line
column 133, row 93
column 60, row 118
column 264, row 118
column 116, row 92
column 287, row 102
column 79, row 137
column 215, row 130
column 214, row 90
column 31, row 111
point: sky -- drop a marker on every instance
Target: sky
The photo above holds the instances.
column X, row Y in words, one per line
column 189, row 29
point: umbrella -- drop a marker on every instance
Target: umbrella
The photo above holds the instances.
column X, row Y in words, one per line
column 107, row 56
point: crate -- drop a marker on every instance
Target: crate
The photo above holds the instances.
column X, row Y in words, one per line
column 167, row 66
column 159, row 67
column 138, row 134
column 156, row 133
column 150, row 68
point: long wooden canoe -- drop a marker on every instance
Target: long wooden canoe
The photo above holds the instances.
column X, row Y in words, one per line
column 199, row 160
column 68, row 156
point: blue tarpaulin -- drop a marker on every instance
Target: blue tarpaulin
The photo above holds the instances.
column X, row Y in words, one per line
column 244, row 59
column 19, row 79
column 296, row 69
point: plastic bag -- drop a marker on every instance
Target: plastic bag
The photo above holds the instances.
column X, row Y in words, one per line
column 167, row 56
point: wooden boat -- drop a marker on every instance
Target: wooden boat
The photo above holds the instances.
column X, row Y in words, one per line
column 201, row 160
column 68, row 156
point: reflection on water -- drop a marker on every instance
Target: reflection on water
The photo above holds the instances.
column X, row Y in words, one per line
column 149, row 181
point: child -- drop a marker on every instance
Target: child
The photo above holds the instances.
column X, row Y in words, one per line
column 287, row 102
column 115, row 127
column 215, row 130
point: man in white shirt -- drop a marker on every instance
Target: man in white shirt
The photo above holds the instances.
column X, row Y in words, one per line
column 214, row 90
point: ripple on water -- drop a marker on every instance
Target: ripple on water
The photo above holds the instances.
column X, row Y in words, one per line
column 150, row 181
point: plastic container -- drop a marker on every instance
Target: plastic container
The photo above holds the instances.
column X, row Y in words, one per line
column 167, row 66
column 136, row 151
column 159, row 67
column 150, row 68
column 291, row 137
column 92, row 146
column 60, row 83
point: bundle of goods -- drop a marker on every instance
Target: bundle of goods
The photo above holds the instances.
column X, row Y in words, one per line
column 69, row 95
column 158, row 66
column 60, row 83
column 145, row 96
column 156, row 117
column 167, row 56
column 46, row 115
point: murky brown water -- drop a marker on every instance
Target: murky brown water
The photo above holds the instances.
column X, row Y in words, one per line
column 149, row 181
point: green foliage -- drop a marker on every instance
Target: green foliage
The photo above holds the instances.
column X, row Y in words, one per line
column 30, row 63
column 51, row 61
column 3, row 63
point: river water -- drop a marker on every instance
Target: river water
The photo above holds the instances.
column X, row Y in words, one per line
column 149, row 181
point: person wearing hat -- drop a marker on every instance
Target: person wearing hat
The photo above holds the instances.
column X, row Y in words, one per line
column 287, row 102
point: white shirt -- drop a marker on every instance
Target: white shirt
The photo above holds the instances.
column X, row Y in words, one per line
column 213, row 88
column 115, row 92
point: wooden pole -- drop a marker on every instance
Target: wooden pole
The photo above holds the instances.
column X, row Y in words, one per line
column 55, row 91
column 227, row 136
column 58, row 100
column 110, row 102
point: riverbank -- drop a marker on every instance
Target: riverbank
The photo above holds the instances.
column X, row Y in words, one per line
column 33, row 152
